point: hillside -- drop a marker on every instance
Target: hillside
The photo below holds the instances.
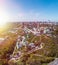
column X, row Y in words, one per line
column 28, row 44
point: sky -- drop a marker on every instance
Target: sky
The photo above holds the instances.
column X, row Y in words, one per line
column 30, row 10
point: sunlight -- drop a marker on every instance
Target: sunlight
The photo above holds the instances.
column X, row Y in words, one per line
column 4, row 18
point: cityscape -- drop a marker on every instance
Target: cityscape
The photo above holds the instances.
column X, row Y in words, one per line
column 29, row 40
column 28, row 32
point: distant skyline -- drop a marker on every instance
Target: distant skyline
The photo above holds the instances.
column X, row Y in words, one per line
column 30, row 10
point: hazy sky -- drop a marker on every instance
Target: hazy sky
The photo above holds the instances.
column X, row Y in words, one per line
column 30, row 10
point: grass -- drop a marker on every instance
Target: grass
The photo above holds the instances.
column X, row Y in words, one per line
column 45, row 64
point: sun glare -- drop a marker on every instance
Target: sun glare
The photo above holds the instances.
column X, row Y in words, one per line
column 3, row 18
